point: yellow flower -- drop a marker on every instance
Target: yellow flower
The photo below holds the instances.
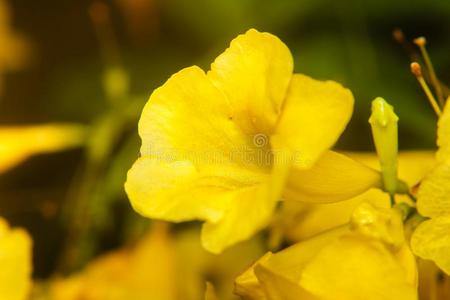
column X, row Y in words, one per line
column 223, row 146
column 368, row 259
column 431, row 239
column 15, row 263
column 18, row 143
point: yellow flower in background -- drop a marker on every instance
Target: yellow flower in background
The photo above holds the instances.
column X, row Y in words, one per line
column 431, row 239
column 15, row 263
column 18, row 143
column 225, row 145
column 144, row 272
column 298, row 220
column 14, row 51
column 161, row 266
column 368, row 259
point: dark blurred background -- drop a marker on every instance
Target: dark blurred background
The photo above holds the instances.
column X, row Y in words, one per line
column 349, row 41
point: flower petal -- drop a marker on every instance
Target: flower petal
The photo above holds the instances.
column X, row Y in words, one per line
column 353, row 267
column 347, row 262
column 278, row 287
column 250, row 210
column 275, row 274
column 431, row 240
column 191, row 152
column 210, row 292
column 247, row 284
column 254, row 74
column 433, row 198
column 187, row 118
column 17, row 143
column 443, row 134
column 300, row 220
column 178, row 191
column 15, row 260
column 333, row 178
column 314, row 115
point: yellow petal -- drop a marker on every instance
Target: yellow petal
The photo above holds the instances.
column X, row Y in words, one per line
column 247, row 284
column 15, row 263
column 249, row 211
column 278, row 287
column 443, row 134
column 187, row 118
column 431, row 240
column 361, row 261
column 18, row 143
column 333, row 178
column 382, row 224
column 408, row 261
column 177, row 191
column 254, row 74
column 314, row 115
column 275, row 276
column 190, row 163
column 304, row 220
column 433, row 198
column 210, row 293
column 357, row 268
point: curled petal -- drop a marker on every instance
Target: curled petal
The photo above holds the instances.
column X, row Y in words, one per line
column 333, row 178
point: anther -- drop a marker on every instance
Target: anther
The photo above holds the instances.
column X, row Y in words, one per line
column 416, row 69
column 417, row 72
column 400, row 38
column 398, row 35
column 421, row 42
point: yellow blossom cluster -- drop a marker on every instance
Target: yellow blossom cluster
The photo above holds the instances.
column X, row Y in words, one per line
column 243, row 147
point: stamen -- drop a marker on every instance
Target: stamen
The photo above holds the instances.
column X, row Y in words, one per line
column 400, row 38
column 417, row 72
column 421, row 43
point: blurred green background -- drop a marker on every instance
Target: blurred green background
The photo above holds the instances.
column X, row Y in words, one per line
column 349, row 41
